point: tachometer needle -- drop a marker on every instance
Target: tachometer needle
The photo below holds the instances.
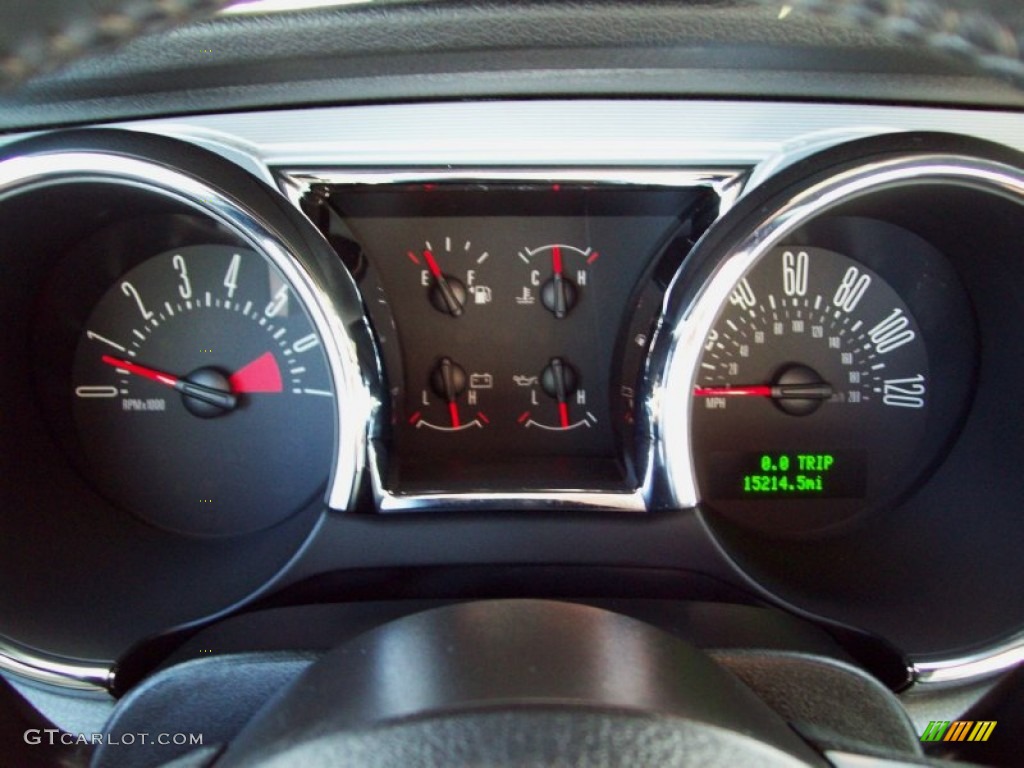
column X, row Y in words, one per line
column 210, row 395
column 819, row 391
column 450, row 299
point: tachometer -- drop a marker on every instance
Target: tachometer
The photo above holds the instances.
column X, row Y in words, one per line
column 812, row 386
column 201, row 394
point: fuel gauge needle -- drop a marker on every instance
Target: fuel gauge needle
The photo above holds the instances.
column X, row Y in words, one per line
column 210, row 395
column 450, row 299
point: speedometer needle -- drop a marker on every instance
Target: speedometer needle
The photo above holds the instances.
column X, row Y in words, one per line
column 819, row 391
column 206, row 394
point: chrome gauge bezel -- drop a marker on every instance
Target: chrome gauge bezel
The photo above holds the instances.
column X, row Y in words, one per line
column 694, row 308
column 305, row 272
column 311, row 277
column 726, row 183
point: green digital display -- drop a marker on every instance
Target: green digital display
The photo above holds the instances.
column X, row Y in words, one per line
column 788, row 474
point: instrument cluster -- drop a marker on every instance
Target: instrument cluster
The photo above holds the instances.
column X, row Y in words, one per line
column 224, row 378
column 512, row 321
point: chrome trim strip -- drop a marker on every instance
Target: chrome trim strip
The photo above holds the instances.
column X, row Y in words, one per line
column 625, row 501
column 725, row 181
column 21, row 175
column 680, row 341
column 51, row 670
column 986, row 662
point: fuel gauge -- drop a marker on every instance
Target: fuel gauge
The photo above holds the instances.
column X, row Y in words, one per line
column 450, row 275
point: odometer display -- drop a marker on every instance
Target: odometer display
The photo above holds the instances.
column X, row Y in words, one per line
column 796, row 475
column 811, row 396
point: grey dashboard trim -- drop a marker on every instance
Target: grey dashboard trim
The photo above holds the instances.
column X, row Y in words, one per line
column 563, row 133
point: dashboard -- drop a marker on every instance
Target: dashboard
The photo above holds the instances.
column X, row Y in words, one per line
column 489, row 379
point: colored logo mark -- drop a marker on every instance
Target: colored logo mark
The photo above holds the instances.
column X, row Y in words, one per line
column 958, row 730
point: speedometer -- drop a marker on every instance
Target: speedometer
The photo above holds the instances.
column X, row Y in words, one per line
column 812, row 386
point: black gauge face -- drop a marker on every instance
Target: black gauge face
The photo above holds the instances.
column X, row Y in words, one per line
column 201, row 393
column 501, row 315
column 812, row 393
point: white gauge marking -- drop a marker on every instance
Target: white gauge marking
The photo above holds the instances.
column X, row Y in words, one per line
column 129, row 290
column 580, row 423
column 104, row 339
column 231, row 278
column 468, row 425
column 97, row 391
column 185, row 289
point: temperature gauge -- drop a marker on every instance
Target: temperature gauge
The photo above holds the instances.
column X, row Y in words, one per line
column 557, row 277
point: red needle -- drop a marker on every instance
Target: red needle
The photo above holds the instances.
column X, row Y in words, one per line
column 261, row 375
column 452, row 302
column 556, row 259
column 563, row 413
column 205, row 393
column 754, row 391
column 453, row 411
column 141, row 370
column 435, row 270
